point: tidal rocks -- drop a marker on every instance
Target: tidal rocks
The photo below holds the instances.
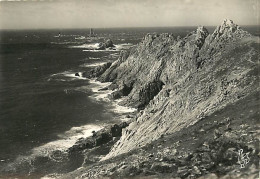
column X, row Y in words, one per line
column 77, row 74
column 104, row 45
column 97, row 71
column 109, row 43
column 123, row 90
column 99, row 138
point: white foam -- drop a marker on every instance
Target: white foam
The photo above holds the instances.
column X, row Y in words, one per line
column 69, row 138
column 93, row 64
column 123, row 46
column 93, row 58
column 87, row 46
column 65, row 141
column 122, row 109
column 94, row 47
column 65, row 43
column 80, row 38
column 103, row 95
column 69, row 74
column 95, row 50
column 96, row 86
column 72, row 75
column 69, row 35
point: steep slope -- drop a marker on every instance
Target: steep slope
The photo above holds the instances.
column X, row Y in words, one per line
column 198, row 98
column 207, row 149
column 182, row 80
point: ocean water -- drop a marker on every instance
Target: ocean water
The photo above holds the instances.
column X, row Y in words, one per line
column 44, row 107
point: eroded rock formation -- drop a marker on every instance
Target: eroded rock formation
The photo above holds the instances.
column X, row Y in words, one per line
column 107, row 44
column 197, row 94
column 97, row 71
column 201, row 73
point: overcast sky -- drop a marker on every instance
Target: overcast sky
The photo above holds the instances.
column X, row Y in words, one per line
column 21, row 14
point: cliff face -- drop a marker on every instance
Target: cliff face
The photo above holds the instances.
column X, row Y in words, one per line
column 178, row 81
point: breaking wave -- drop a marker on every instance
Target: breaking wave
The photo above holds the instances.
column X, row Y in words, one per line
column 51, row 153
column 93, row 64
column 94, row 47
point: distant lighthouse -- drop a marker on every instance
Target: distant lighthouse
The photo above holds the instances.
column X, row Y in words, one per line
column 91, row 32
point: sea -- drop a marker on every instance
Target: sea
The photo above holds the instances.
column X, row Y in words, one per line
column 44, row 107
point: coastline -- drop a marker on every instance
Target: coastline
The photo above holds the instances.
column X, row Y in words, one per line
column 195, row 111
column 124, row 116
column 57, row 152
column 194, row 121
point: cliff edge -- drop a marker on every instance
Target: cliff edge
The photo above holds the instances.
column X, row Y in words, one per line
column 198, row 101
column 181, row 81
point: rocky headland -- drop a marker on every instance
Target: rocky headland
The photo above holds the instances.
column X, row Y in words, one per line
column 198, row 101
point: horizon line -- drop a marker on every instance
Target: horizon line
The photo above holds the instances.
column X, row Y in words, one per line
column 68, row 28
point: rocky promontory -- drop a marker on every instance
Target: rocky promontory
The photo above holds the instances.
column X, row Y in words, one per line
column 198, row 101
column 202, row 73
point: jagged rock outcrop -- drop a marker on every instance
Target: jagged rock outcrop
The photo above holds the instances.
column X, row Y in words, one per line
column 148, row 92
column 123, row 90
column 107, row 44
column 111, row 74
column 96, row 71
column 200, row 97
column 228, row 29
column 201, row 73
column 224, row 34
column 99, row 138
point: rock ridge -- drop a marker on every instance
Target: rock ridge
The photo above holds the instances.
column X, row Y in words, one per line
column 196, row 80
column 178, row 82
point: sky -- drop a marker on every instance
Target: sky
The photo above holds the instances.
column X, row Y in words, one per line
column 42, row 14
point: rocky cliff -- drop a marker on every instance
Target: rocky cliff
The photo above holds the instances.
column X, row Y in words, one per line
column 193, row 84
column 182, row 80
